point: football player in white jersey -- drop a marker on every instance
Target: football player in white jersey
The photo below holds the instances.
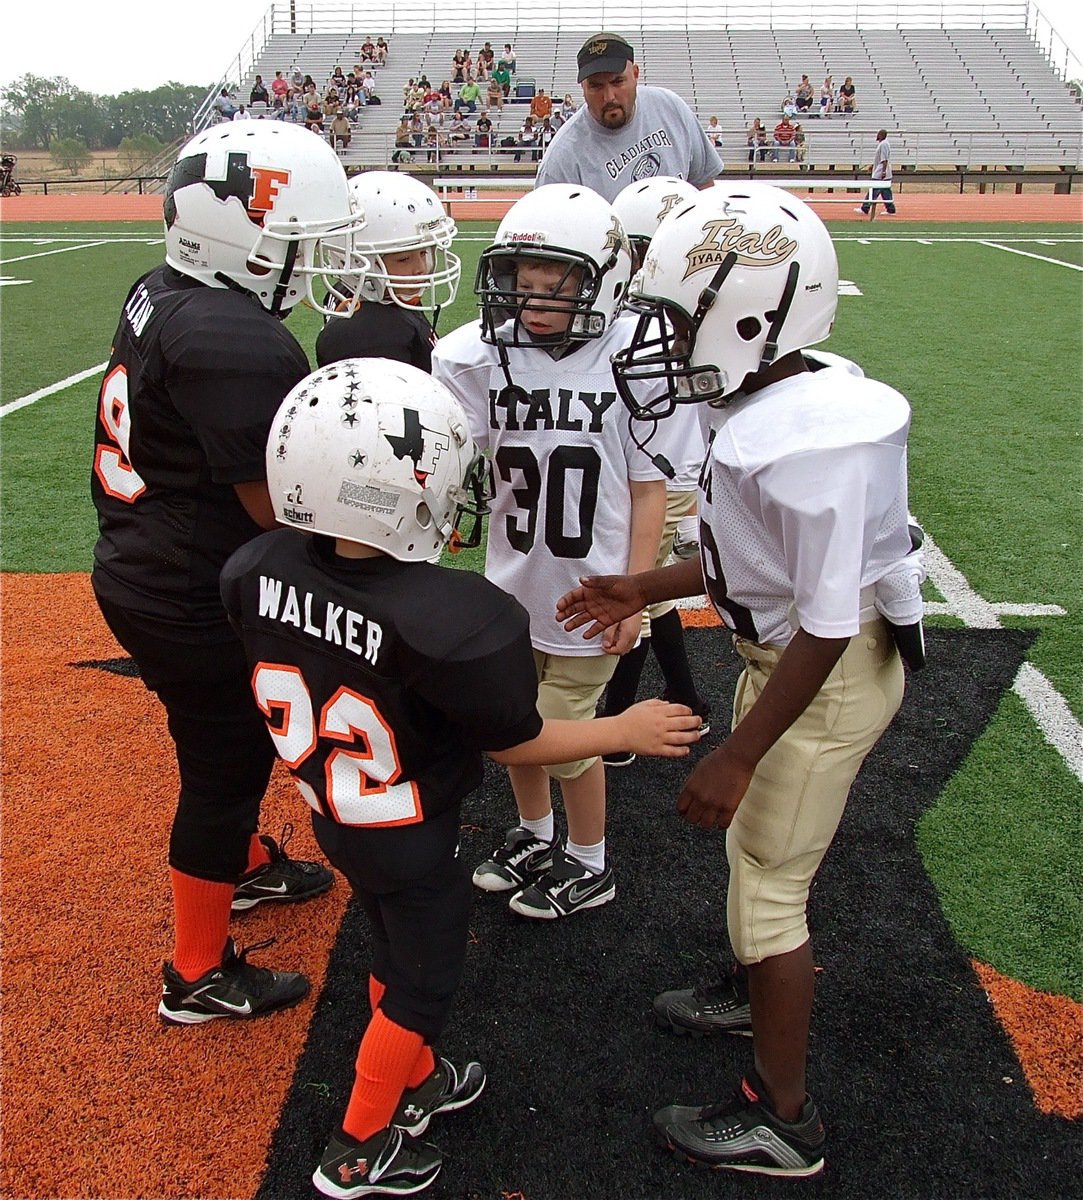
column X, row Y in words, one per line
column 575, row 494
column 807, row 556
column 641, row 207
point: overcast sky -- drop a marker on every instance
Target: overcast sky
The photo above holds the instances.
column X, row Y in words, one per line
column 119, row 44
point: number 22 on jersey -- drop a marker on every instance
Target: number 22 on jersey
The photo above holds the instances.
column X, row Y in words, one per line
column 361, row 784
column 112, row 463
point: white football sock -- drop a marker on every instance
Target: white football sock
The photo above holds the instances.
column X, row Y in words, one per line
column 592, row 857
column 542, row 827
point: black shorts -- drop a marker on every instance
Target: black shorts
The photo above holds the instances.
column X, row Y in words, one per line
column 416, row 893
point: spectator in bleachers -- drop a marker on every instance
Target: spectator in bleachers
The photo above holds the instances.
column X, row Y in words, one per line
column 413, row 97
column 224, row 105
column 435, row 142
column 483, row 130
column 756, row 140
column 368, row 50
column 803, row 95
column 280, row 90
column 338, row 78
column 784, row 141
column 423, row 82
column 495, row 95
column 541, row 105
column 507, row 57
column 481, row 70
column 309, row 83
column 403, row 141
column 339, row 131
column 800, row 146
column 847, row 96
column 242, row 114
column 313, row 112
column 445, row 93
column 527, row 140
column 468, row 97
column 434, row 103
column 502, row 76
column 567, row 107
column 459, row 129
column 458, row 67
column 545, row 136
column 827, row 97
column 382, row 50
column 296, row 104
column 258, row 94
column 714, row 132
column 788, row 107
column 297, row 80
column 353, row 100
column 486, row 59
column 331, row 104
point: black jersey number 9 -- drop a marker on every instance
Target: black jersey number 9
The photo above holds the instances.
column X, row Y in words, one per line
column 527, row 488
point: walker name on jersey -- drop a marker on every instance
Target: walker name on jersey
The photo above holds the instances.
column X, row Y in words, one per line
column 615, row 165
column 332, row 623
column 548, row 408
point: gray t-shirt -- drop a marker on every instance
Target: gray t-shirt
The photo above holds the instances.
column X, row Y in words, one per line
column 662, row 138
column 881, row 162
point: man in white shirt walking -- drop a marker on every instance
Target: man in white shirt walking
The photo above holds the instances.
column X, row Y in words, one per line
column 881, row 174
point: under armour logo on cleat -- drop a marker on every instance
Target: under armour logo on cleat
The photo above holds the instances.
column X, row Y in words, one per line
column 346, row 1173
column 412, row 1111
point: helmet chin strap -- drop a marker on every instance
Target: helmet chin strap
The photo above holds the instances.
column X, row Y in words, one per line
column 770, row 348
column 284, row 277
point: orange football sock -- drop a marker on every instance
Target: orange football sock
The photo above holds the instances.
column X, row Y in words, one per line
column 201, row 920
column 384, row 1064
column 376, row 992
column 258, row 854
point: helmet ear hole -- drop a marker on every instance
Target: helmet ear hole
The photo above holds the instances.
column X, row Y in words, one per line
column 748, row 328
column 422, row 516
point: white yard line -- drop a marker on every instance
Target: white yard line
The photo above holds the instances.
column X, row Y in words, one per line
column 41, row 393
column 44, row 253
column 1046, row 705
column 1056, row 262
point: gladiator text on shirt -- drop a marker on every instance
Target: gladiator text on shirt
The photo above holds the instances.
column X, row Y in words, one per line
column 615, row 165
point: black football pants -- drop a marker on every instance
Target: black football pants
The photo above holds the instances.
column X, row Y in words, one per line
column 224, row 752
column 416, row 893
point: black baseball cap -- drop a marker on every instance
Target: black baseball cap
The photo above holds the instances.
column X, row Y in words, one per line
column 604, row 54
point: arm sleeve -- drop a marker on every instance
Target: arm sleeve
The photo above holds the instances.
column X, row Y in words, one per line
column 486, row 682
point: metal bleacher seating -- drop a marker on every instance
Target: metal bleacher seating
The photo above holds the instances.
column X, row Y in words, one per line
column 960, row 97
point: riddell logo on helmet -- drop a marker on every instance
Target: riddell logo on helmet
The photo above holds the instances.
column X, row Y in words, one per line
column 728, row 235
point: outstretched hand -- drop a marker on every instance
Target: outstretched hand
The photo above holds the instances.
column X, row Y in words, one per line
column 659, row 728
column 600, row 602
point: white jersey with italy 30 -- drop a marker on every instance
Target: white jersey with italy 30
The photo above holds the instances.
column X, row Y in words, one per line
column 566, row 426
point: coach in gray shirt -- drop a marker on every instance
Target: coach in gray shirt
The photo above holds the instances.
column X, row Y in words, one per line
column 625, row 133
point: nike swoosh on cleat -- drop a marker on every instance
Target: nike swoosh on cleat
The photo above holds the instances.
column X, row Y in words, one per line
column 580, row 891
column 243, row 1009
column 279, row 888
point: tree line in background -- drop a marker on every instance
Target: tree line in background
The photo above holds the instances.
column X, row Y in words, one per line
column 52, row 114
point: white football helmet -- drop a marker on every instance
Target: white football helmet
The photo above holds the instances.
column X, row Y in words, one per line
column 246, row 207
column 731, row 282
column 377, row 452
column 569, row 225
column 403, row 214
column 642, row 205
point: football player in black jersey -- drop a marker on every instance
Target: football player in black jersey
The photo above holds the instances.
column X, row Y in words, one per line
column 200, row 363
column 412, row 272
column 383, row 679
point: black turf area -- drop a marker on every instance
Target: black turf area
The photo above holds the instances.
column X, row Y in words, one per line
column 920, row 1090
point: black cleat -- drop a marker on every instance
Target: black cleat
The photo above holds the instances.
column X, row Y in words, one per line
column 390, row 1163
column 708, row 1008
column 445, row 1090
column 566, row 888
column 235, row 990
column 522, row 858
column 283, row 878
